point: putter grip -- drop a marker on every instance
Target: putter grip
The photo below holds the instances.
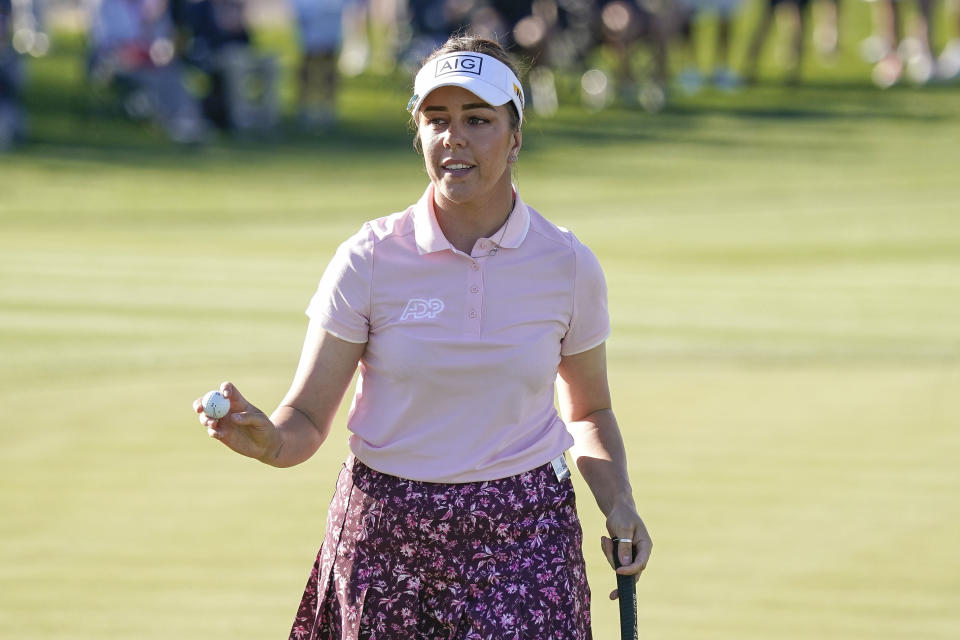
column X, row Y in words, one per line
column 627, row 595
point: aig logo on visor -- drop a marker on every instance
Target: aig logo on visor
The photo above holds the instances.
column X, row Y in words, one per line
column 459, row 64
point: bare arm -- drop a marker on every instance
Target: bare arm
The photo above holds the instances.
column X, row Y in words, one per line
column 304, row 417
column 302, row 422
column 598, row 451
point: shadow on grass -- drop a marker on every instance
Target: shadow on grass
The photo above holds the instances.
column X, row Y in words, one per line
column 70, row 121
column 763, row 104
column 833, row 101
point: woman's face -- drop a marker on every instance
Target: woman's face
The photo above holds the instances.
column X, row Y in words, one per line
column 468, row 146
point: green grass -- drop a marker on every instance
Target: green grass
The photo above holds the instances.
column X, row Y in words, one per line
column 784, row 272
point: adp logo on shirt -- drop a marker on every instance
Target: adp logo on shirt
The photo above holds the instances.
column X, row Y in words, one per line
column 420, row 309
column 459, row 64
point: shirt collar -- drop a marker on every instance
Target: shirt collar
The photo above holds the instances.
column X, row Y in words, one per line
column 430, row 238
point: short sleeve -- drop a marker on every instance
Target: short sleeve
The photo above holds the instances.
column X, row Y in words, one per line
column 341, row 303
column 590, row 319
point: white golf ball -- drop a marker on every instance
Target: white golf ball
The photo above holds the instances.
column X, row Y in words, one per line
column 215, row 405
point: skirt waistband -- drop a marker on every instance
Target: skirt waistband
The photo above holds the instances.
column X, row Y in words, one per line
column 532, row 491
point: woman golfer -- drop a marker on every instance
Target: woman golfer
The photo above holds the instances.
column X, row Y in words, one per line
column 454, row 514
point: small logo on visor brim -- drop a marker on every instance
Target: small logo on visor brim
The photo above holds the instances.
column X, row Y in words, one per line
column 459, row 64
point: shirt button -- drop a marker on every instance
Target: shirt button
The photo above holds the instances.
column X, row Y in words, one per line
column 473, row 314
column 476, row 267
column 475, row 289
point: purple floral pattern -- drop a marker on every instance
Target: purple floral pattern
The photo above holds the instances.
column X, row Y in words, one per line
column 417, row 560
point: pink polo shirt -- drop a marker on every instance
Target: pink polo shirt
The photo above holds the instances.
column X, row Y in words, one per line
column 457, row 379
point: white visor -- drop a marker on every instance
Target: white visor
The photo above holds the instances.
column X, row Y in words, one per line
column 480, row 74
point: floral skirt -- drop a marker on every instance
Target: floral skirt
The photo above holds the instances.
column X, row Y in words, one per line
column 410, row 560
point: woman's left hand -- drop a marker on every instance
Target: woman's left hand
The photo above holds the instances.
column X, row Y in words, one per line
column 584, row 401
column 625, row 523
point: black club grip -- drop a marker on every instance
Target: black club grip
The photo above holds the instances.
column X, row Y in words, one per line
column 627, row 594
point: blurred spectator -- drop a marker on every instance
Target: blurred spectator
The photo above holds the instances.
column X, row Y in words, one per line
column 29, row 36
column 242, row 84
column 793, row 14
column 21, row 33
column 624, row 27
column 388, row 25
column 320, row 27
column 528, row 29
column 895, row 54
column 132, row 52
column 12, row 125
column 357, row 48
column 692, row 11
column 432, row 22
column 374, row 31
column 826, row 28
column 948, row 63
column 549, row 35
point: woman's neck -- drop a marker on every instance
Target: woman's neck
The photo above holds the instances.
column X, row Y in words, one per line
column 465, row 223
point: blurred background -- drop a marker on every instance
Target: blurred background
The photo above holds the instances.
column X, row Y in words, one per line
column 195, row 67
column 771, row 187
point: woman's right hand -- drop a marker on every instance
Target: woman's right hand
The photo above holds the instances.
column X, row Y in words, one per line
column 246, row 429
